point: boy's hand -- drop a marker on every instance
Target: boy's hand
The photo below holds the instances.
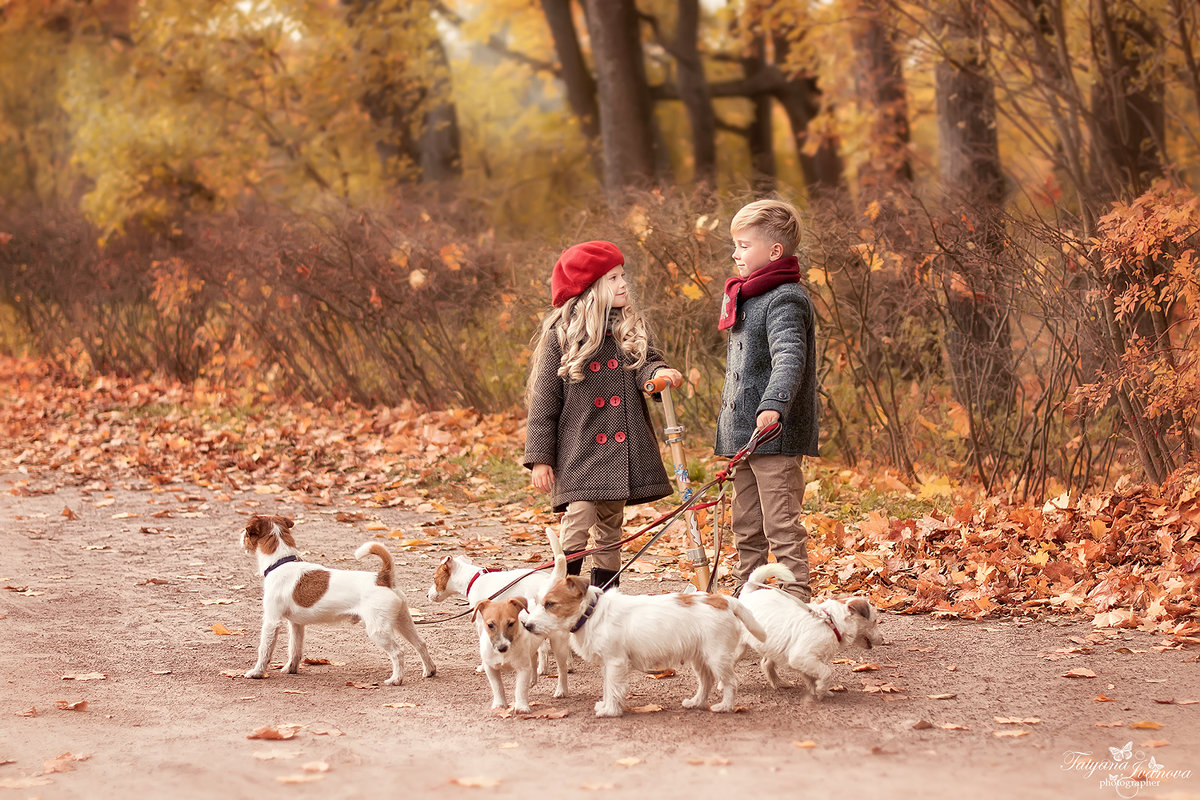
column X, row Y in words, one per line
column 766, row 418
column 543, row 477
column 673, row 375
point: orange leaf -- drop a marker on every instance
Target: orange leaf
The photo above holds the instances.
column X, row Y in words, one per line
column 1145, row 725
column 79, row 705
column 477, row 783
column 1079, row 672
column 274, row 734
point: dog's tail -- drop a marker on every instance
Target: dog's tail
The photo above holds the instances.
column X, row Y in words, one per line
column 746, row 618
column 759, row 577
column 385, row 575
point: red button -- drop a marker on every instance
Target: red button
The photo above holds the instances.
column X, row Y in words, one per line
column 619, row 436
column 614, row 401
column 613, row 363
column 594, row 366
column 599, row 402
column 601, row 438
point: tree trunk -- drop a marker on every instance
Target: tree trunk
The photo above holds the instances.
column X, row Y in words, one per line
column 626, row 127
column 800, row 98
column 578, row 80
column 977, row 339
column 693, row 90
column 880, row 90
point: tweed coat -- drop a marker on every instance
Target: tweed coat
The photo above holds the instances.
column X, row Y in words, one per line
column 771, row 364
column 596, row 432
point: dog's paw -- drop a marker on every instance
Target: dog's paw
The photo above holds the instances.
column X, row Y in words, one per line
column 605, row 710
column 525, row 709
column 559, row 692
column 290, row 669
column 693, row 702
column 721, row 708
column 393, row 681
column 255, row 673
column 430, row 672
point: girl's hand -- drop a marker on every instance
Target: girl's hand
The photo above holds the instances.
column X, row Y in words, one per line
column 673, row 375
column 543, row 477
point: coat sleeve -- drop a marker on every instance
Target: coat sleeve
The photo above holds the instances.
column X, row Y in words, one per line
column 654, row 362
column 545, row 408
column 788, row 320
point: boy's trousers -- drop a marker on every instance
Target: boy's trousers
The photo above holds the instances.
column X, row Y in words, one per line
column 768, row 495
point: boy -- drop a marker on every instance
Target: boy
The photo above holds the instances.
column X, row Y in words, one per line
column 770, row 376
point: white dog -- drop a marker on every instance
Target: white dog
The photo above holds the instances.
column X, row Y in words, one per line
column 302, row 593
column 459, row 576
column 804, row 636
column 505, row 645
column 647, row 632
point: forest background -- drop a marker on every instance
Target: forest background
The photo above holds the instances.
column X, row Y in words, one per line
column 357, row 203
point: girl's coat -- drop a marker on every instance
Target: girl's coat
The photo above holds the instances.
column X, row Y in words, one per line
column 596, row 433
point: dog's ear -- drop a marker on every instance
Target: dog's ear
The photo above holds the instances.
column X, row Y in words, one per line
column 578, row 585
column 479, row 607
column 282, row 521
column 860, row 606
column 520, row 602
column 284, row 528
column 444, row 562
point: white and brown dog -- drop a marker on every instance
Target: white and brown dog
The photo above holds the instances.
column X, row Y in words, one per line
column 458, row 576
column 648, row 632
column 804, row 636
column 506, row 646
column 302, row 594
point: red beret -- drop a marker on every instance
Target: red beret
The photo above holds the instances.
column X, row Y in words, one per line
column 578, row 268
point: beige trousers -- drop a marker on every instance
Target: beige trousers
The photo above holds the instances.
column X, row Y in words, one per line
column 599, row 519
column 768, row 495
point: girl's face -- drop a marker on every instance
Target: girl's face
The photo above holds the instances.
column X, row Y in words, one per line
column 752, row 251
column 615, row 288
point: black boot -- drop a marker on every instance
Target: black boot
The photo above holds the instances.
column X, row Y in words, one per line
column 573, row 567
column 601, row 577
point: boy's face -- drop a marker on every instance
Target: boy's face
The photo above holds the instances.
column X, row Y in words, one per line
column 752, row 251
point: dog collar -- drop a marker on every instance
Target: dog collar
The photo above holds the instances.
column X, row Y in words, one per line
column 586, row 615
column 279, row 563
column 471, row 582
column 825, row 615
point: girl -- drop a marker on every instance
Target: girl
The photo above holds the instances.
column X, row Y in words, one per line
column 588, row 436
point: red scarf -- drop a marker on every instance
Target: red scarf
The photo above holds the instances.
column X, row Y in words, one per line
column 761, row 281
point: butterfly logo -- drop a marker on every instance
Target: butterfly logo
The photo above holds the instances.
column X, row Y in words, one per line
column 1153, row 765
column 1120, row 754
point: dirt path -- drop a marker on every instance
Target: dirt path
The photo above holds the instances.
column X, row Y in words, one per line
column 132, row 586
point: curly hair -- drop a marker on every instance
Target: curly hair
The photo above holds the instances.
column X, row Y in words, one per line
column 579, row 325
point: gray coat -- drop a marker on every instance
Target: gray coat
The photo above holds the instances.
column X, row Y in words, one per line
column 771, row 364
column 596, row 433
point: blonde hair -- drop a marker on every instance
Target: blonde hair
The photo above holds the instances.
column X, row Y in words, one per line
column 579, row 325
column 774, row 219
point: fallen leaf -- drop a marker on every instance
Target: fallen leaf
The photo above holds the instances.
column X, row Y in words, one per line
column 64, row 763
column 922, row 725
column 315, row 766
column 24, row 783
column 711, row 761
column 85, row 676
column 658, row 676
column 150, row 580
column 1079, row 672
column 68, row 513
column 360, row 685
column 375, row 526
column 1017, row 720
column 865, row 668
column 1154, row 743
column 268, row 755
column 221, row 602
column 29, row 712
column 628, row 761
column 301, row 778
column 509, row 745
column 598, row 787
column 1145, row 725
column 646, row 709
column 952, row 726
column 400, row 705
column 315, row 662
column 942, row 696
column 1009, row 734
column 477, row 783
column 808, row 744
column 1117, row 724
column 221, row 630
column 274, row 734
column 78, row 705
column 233, row 673
column 1103, row 698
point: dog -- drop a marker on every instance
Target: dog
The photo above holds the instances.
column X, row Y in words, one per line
column 804, row 636
column 459, row 576
column 506, row 645
column 303, row 593
column 647, row 632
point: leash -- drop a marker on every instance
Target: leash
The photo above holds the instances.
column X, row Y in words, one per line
column 760, row 437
